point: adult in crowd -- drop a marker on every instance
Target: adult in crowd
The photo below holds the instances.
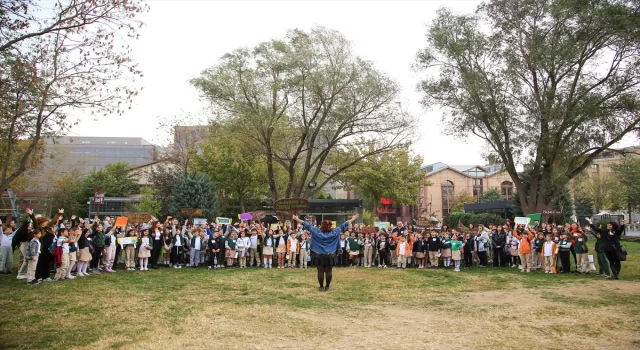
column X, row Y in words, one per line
column 325, row 243
column 611, row 245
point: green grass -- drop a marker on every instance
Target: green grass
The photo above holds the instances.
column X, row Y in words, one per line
column 123, row 310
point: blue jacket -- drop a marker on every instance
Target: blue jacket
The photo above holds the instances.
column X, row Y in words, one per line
column 325, row 242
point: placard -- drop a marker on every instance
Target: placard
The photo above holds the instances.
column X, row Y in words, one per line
column 223, row 221
column 245, row 216
column 98, row 197
column 274, row 226
column 381, row 224
column 127, row 240
column 121, row 221
column 521, row 220
column 140, row 218
column 334, row 224
column 199, row 221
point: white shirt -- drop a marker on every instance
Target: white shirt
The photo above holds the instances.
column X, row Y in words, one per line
column 254, row 242
column 268, row 242
column 293, row 246
column 144, row 243
column 548, row 249
column 158, row 235
column 401, row 248
column 197, row 245
column 6, row 239
column 62, row 242
column 282, row 241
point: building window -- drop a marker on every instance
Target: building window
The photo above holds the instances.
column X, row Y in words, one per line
column 595, row 168
column 447, row 197
column 507, row 190
column 477, row 188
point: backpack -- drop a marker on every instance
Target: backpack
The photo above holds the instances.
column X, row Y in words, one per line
column 53, row 245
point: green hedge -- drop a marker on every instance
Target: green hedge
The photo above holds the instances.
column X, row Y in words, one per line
column 475, row 219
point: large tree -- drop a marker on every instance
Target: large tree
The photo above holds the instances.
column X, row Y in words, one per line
column 115, row 179
column 239, row 173
column 55, row 59
column 299, row 99
column 195, row 191
column 550, row 84
column 394, row 175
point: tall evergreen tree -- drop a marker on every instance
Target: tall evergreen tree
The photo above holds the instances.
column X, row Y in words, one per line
column 195, row 191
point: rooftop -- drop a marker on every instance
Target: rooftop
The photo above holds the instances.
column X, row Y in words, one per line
column 469, row 170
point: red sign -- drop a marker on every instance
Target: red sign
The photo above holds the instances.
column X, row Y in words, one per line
column 98, row 197
column 386, row 201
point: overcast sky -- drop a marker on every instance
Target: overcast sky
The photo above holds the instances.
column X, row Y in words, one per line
column 181, row 38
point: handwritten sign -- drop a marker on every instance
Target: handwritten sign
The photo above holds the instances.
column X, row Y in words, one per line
column 521, row 220
column 223, row 221
column 127, row 240
column 291, row 204
column 98, row 197
column 139, row 218
column 381, row 224
column 274, row 226
column 199, row 221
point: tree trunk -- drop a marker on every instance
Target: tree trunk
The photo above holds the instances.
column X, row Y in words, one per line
column 241, row 198
column 270, row 172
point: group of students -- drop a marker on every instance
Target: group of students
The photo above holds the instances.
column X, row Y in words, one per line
column 81, row 245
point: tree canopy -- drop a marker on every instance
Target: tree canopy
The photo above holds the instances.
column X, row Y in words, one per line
column 549, row 84
column 302, row 100
column 56, row 59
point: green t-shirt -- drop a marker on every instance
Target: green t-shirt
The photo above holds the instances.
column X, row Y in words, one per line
column 456, row 245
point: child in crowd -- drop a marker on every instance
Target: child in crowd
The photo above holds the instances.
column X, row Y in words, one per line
column 130, row 251
column 63, row 241
column 166, row 245
column 109, row 249
column 382, row 247
column 468, row 249
column 565, row 252
column 177, row 251
column 281, row 247
column 539, row 241
column 445, row 249
column 196, row 246
column 144, row 253
column 214, row 249
column 73, row 252
column 84, row 253
column 368, row 249
column 434, row 249
column 304, row 250
column 456, row 249
column 402, row 252
column 267, row 249
column 353, row 247
column 603, row 263
column 549, row 252
column 524, row 247
column 230, row 249
column 581, row 250
column 31, row 255
column 293, row 247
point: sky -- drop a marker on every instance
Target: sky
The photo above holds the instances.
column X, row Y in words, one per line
column 182, row 38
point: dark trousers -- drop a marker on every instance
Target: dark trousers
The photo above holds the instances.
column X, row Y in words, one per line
column 382, row 257
column 614, row 262
column 483, row 258
column 603, row 263
column 118, row 257
column 468, row 258
column 95, row 258
column 575, row 260
column 565, row 256
column 498, row 257
column 213, row 258
column 177, row 255
column 43, row 269
column 155, row 252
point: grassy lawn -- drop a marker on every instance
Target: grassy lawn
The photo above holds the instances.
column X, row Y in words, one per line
column 366, row 308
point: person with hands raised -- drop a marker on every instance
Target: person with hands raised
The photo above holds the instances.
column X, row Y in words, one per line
column 611, row 245
column 325, row 243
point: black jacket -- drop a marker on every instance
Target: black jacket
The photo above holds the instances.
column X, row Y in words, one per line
column 213, row 244
column 609, row 240
column 470, row 245
column 420, row 246
column 498, row 240
column 434, row 244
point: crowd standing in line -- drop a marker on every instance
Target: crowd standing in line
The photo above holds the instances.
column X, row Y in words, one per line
column 80, row 247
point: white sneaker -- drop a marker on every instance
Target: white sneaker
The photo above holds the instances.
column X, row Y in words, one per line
column 21, row 277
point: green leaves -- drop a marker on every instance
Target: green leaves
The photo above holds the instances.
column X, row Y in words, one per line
column 546, row 83
column 195, row 191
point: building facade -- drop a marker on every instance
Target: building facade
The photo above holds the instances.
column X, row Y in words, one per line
column 447, row 181
column 93, row 153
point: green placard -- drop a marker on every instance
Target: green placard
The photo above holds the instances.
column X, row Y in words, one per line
column 223, row 221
